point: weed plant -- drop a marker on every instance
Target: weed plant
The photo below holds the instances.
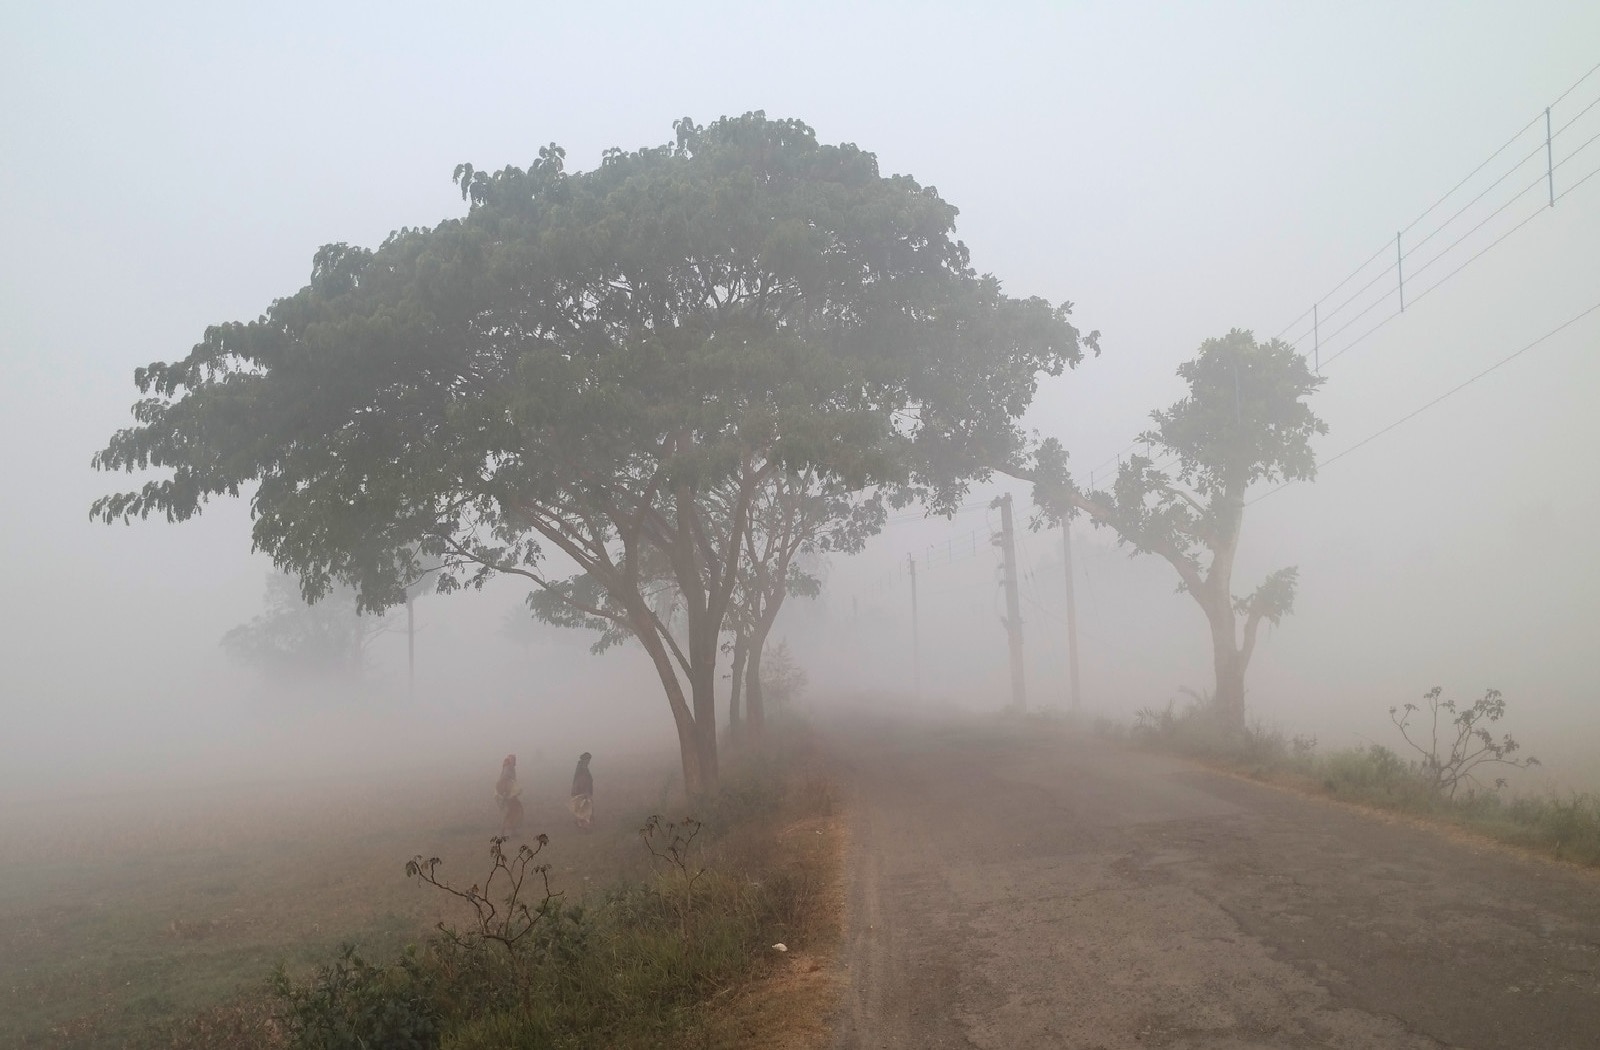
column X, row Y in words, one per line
column 1438, row 784
column 633, row 966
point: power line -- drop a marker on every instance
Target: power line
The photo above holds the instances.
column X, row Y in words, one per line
column 1447, row 195
column 1475, row 256
column 1592, row 70
column 1482, row 223
column 1481, row 194
column 1530, row 187
column 1580, row 112
column 926, row 516
column 1442, row 397
column 1580, row 182
column 1352, row 276
column 1586, row 144
column 1319, row 318
column 1469, row 176
column 1433, row 287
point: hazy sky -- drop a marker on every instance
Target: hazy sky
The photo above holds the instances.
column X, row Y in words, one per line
column 1175, row 170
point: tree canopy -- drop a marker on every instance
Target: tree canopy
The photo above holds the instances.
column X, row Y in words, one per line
column 1245, row 421
column 578, row 361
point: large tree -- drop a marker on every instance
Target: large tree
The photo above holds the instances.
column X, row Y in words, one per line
column 571, row 367
column 1245, row 422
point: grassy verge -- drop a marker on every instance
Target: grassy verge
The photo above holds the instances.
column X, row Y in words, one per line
column 1566, row 828
column 670, row 943
column 124, row 912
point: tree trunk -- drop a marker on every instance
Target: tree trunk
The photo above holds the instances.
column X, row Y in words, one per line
column 754, row 704
column 741, row 652
column 694, row 778
column 703, row 686
column 755, row 698
column 697, row 777
column 1229, row 697
column 703, row 643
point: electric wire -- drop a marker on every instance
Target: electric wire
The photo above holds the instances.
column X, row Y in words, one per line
column 1450, row 193
column 1407, row 252
column 1412, row 249
column 1481, row 194
column 1442, row 397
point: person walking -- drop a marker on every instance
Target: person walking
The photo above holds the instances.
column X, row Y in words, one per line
column 508, row 796
column 582, row 802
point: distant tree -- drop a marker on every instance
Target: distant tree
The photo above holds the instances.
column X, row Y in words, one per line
column 574, row 365
column 1245, row 422
column 783, row 679
column 793, row 515
column 295, row 639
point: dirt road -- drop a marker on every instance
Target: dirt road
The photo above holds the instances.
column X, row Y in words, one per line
column 1014, row 890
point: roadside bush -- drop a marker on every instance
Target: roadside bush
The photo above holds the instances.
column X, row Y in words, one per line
column 1454, row 747
column 654, row 952
column 1201, row 730
column 1372, row 774
column 632, row 966
column 1569, row 827
column 1450, row 754
column 1197, row 728
column 351, row 1004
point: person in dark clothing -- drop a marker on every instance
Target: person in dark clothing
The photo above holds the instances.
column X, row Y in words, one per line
column 582, row 802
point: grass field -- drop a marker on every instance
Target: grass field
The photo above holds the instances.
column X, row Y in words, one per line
column 118, row 913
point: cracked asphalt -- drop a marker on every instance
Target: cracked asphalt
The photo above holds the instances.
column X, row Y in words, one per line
column 1011, row 886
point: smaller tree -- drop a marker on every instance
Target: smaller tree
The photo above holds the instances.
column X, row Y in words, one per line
column 294, row 638
column 1467, row 743
column 793, row 515
column 1245, row 422
column 782, row 679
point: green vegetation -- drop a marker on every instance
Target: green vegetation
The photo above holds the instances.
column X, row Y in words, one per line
column 154, row 920
column 98, row 948
column 1245, row 422
column 650, row 961
column 1438, row 785
column 612, row 364
column 292, row 641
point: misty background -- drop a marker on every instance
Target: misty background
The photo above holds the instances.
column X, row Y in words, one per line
column 1175, row 171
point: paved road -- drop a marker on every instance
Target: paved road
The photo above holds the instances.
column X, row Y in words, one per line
column 1010, row 890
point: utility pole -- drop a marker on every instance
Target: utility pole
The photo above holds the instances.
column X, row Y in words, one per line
column 916, row 644
column 1019, row 693
column 1072, row 612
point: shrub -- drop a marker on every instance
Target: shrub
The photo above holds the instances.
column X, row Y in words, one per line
column 1372, row 773
column 631, row 967
column 1452, row 748
column 351, row 1004
column 1569, row 827
column 1202, row 730
column 1467, row 743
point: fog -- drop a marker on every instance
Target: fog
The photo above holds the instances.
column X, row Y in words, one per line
column 1174, row 171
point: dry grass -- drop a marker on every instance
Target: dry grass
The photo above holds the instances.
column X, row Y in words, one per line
column 791, row 1006
column 1563, row 828
column 1465, row 833
column 122, row 912
column 154, row 919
